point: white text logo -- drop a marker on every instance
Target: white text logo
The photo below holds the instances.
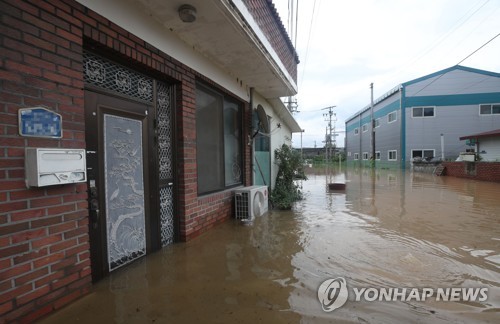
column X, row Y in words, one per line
column 333, row 293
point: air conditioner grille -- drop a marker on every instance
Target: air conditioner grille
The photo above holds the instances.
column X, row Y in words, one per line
column 242, row 202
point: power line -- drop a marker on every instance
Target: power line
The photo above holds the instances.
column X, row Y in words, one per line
column 479, row 48
column 438, row 41
column 439, row 77
column 296, row 23
column 472, row 31
column 308, row 41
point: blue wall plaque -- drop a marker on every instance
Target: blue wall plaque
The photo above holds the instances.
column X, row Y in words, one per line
column 39, row 122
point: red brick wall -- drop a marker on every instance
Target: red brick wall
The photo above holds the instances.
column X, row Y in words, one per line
column 44, row 248
column 488, row 171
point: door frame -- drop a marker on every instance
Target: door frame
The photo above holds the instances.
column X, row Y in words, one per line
column 96, row 105
column 154, row 239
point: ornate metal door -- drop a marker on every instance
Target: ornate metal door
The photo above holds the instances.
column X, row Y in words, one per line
column 121, row 213
column 129, row 135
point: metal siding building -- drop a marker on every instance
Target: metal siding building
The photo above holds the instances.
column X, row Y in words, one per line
column 444, row 103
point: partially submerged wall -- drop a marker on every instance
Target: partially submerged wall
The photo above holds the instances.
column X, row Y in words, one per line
column 488, row 171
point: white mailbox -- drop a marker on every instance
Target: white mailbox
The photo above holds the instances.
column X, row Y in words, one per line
column 48, row 166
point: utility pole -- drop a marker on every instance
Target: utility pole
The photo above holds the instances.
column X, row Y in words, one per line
column 328, row 137
column 373, row 127
column 326, row 144
column 292, row 105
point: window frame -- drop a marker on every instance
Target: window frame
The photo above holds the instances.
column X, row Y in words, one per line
column 389, row 155
column 491, row 113
column 413, row 109
column 356, row 156
column 395, row 113
column 365, row 156
column 356, row 131
column 422, row 152
column 377, row 155
column 364, row 127
column 377, row 123
column 226, row 101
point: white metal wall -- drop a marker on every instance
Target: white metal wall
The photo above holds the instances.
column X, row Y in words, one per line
column 490, row 145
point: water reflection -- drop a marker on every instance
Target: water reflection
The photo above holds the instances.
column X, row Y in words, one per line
column 388, row 229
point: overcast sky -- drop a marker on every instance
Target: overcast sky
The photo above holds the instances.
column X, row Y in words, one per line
column 346, row 45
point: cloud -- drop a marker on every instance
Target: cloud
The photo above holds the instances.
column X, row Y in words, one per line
column 387, row 42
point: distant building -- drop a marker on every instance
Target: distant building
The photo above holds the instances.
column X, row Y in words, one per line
column 486, row 144
column 312, row 152
column 416, row 117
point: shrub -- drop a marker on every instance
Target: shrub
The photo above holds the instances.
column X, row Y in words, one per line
column 290, row 167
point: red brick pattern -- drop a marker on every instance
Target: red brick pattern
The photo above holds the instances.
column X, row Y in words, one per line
column 487, row 171
column 43, row 231
column 44, row 247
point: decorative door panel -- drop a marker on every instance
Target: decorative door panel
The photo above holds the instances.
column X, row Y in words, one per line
column 165, row 157
column 124, row 190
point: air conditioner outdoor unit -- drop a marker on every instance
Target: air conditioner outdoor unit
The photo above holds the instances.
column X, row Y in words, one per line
column 250, row 202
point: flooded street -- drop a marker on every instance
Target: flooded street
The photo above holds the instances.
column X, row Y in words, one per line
column 389, row 229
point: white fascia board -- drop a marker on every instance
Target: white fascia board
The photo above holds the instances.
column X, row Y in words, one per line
column 285, row 115
column 128, row 16
column 276, row 109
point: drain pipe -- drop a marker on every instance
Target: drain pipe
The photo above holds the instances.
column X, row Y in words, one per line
column 250, row 138
column 442, row 146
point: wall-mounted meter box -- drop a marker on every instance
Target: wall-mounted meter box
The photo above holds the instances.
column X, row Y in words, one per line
column 52, row 166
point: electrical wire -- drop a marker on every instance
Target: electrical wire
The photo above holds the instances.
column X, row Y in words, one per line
column 479, row 48
column 474, row 52
column 472, row 31
column 308, row 42
column 459, row 23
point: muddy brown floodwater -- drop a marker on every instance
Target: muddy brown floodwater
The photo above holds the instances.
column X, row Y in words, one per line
column 389, row 229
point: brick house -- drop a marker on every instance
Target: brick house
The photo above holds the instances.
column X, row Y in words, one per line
column 163, row 109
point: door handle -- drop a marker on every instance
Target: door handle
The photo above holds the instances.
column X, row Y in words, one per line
column 94, row 215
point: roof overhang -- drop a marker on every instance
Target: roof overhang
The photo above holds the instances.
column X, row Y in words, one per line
column 492, row 133
column 285, row 115
column 225, row 32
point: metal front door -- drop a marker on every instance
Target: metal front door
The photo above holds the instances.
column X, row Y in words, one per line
column 118, row 155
